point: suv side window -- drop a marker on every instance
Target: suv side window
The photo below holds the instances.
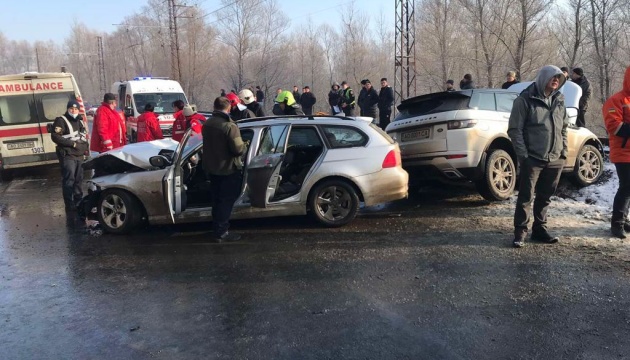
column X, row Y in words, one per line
column 483, row 101
column 344, row 136
column 505, row 101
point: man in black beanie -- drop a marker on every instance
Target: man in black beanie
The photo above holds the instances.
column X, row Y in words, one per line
column 580, row 79
column 70, row 135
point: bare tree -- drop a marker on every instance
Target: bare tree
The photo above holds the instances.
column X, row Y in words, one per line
column 569, row 31
column 489, row 26
column 605, row 31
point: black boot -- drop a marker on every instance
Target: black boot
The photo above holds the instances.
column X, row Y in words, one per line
column 519, row 238
column 618, row 230
column 543, row 236
column 626, row 226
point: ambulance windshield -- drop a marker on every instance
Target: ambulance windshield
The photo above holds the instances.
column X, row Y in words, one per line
column 162, row 102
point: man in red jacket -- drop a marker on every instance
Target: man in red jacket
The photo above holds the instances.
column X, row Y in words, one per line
column 148, row 125
column 194, row 120
column 179, row 125
column 617, row 118
column 106, row 130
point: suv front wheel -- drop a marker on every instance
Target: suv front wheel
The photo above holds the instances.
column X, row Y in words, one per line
column 499, row 177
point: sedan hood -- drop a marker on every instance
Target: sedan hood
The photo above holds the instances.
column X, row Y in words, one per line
column 571, row 91
column 130, row 158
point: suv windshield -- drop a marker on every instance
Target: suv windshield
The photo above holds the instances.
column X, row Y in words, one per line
column 433, row 103
column 161, row 101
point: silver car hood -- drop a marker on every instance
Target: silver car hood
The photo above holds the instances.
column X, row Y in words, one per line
column 130, row 158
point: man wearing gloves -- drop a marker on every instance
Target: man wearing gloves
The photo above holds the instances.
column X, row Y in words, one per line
column 70, row 135
column 538, row 129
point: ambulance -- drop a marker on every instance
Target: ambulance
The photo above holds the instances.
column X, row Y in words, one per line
column 134, row 94
column 28, row 103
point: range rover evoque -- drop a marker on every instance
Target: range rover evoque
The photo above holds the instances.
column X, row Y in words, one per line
column 462, row 136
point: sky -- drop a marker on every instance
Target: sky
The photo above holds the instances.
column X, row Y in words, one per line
column 44, row 20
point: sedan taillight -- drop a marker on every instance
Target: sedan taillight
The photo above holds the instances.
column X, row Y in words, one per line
column 392, row 159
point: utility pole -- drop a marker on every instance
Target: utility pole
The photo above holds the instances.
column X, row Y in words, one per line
column 101, row 66
column 405, row 57
column 171, row 32
column 176, row 72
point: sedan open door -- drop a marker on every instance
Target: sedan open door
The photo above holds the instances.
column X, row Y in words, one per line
column 263, row 171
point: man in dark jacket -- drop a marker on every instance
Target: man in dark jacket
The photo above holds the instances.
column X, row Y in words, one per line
column 247, row 98
column 70, row 135
column 370, row 101
column 467, row 83
column 334, row 99
column 286, row 104
column 296, row 94
column 307, row 101
column 239, row 111
column 223, row 148
column 510, row 80
column 538, row 129
column 580, row 79
column 385, row 103
column 361, row 98
column 260, row 97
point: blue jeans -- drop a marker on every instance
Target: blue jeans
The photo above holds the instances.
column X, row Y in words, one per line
column 225, row 191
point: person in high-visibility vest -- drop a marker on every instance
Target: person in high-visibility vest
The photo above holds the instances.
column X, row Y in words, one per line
column 347, row 99
column 70, row 135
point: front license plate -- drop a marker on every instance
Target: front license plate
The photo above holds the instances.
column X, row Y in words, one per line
column 416, row 135
column 21, row 145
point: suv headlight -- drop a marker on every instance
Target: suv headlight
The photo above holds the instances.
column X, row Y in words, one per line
column 461, row 124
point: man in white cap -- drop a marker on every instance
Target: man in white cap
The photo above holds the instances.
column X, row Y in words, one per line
column 248, row 99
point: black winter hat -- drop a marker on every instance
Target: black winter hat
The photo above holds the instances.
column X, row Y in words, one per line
column 578, row 71
column 73, row 104
column 449, row 81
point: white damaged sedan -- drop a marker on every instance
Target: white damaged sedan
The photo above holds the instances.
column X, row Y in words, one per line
column 323, row 165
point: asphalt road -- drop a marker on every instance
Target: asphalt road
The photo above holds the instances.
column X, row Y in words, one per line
column 432, row 277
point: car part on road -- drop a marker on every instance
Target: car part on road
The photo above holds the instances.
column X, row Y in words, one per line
column 499, row 176
column 589, row 166
column 334, row 203
column 118, row 211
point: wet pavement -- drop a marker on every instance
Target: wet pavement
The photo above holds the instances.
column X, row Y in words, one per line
column 430, row 277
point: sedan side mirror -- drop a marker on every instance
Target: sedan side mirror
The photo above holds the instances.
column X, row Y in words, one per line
column 159, row 161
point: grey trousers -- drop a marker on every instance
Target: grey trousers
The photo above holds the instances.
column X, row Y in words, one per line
column 542, row 178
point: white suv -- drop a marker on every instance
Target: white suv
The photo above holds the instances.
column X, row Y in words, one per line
column 462, row 135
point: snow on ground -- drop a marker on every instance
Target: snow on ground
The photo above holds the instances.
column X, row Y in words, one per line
column 580, row 216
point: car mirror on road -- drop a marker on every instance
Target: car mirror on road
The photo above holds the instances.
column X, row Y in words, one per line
column 159, row 161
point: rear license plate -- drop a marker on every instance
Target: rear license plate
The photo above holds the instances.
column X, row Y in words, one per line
column 21, row 145
column 416, row 135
